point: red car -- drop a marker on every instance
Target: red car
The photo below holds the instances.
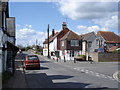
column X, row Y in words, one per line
column 32, row 61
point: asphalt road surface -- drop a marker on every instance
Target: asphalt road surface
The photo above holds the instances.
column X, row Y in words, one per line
column 53, row 74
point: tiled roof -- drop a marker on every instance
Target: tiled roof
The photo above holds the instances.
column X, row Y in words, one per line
column 110, row 37
column 58, row 33
column 70, row 35
column 51, row 38
column 86, row 36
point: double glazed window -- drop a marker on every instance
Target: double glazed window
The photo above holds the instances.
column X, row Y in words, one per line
column 74, row 42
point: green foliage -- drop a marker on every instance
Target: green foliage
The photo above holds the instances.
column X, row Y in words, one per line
column 39, row 50
column 38, row 53
column 28, row 47
column 117, row 51
column 82, row 55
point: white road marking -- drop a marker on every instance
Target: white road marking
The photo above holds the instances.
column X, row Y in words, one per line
column 115, row 76
column 96, row 74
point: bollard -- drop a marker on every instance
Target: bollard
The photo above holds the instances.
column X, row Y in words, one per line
column 74, row 60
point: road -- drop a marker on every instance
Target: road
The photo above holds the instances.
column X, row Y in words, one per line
column 53, row 74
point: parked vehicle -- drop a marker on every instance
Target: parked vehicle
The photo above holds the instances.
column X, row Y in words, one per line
column 32, row 61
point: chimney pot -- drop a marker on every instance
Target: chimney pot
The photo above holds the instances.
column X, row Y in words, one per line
column 64, row 25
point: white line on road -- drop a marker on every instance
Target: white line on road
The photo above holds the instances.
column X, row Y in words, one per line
column 95, row 73
column 115, row 76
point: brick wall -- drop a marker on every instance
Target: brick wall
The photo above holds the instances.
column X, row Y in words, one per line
column 62, row 33
column 105, row 56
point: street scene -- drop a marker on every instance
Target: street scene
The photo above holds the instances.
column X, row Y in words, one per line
column 59, row 44
column 53, row 74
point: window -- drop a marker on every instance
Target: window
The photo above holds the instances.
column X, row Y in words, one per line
column 89, row 44
column 62, row 43
column 97, row 42
column 71, row 53
column 74, row 43
column 33, row 58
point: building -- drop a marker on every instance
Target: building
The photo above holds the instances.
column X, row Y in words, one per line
column 8, row 49
column 70, row 45
column 54, row 42
column 107, row 39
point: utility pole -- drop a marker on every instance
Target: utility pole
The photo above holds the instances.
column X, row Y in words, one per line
column 48, row 41
column 36, row 45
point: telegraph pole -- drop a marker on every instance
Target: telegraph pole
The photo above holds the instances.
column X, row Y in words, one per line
column 36, row 45
column 48, row 41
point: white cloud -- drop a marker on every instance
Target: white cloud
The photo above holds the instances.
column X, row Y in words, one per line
column 86, row 10
column 28, row 26
column 28, row 36
column 108, row 23
column 104, row 14
column 87, row 29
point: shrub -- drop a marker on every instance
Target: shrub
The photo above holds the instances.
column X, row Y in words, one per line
column 116, row 51
column 82, row 55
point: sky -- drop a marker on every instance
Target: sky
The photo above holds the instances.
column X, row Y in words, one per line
column 32, row 18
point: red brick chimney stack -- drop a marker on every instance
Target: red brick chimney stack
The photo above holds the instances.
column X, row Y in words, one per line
column 53, row 32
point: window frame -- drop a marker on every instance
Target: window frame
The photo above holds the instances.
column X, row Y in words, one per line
column 74, row 42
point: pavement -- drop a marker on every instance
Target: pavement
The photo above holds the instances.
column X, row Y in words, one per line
column 22, row 79
column 17, row 80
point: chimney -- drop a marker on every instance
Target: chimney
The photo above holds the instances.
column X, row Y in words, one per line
column 64, row 25
column 53, row 32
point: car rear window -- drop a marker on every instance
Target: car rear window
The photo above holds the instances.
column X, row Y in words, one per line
column 32, row 57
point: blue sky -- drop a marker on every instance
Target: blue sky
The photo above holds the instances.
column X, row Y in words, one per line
column 32, row 18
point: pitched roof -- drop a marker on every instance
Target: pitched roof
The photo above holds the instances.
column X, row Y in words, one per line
column 86, row 36
column 51, row 38
column 110, row 37
column 70, row 35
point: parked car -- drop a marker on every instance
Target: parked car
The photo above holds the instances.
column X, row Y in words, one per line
column 31, row 61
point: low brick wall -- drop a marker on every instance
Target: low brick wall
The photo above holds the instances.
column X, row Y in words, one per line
column 106, row 57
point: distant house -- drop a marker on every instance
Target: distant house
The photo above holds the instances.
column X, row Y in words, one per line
column 88, row 42
column 70, row 45
column 107, row 39
column 54, row 41
column 45, row 47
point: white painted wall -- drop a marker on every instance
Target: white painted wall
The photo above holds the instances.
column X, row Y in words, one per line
column 53, row 45
column 83, row 48
column 67, row 55
column 45, row 52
